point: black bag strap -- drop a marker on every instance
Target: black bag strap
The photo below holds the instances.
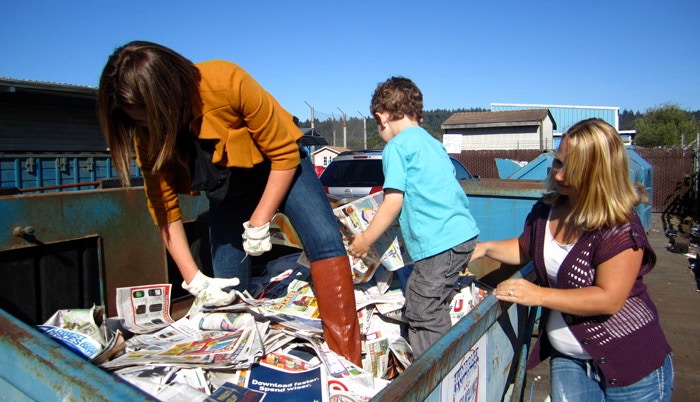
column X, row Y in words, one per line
column 205, row 175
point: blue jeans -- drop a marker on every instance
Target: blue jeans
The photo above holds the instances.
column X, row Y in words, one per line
column 306, row 205
column 582, row 381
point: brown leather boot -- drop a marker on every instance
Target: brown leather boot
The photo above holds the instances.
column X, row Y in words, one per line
column 335, row 295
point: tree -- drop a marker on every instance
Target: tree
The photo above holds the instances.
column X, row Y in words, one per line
column 628, row 118
column 433, row 119
column 665, row 126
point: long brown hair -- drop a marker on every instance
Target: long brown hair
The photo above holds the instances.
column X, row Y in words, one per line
column 157, row 80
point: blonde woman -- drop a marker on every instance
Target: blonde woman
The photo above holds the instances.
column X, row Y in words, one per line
column 590, row 253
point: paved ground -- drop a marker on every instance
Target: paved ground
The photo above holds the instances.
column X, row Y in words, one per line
column 672, row 287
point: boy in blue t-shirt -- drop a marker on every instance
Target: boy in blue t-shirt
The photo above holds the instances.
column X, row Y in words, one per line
column 421, row 189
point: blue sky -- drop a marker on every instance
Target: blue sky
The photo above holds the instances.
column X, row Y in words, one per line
column 634, row 55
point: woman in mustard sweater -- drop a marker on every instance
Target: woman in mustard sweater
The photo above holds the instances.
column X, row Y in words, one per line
column 157, row 102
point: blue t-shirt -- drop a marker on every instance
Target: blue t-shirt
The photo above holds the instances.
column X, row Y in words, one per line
column 435, row 213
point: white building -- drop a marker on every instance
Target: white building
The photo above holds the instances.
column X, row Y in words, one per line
column 568, row 115
column 322, row 157
column 516, row 129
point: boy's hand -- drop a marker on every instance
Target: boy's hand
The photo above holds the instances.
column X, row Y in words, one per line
column 359, row 246
column 386, row 214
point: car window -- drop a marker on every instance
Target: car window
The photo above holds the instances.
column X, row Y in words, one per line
column 353, row 173
column 460, row 171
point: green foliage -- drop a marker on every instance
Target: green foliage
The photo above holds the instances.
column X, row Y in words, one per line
column 666, row 126
column 628, row 118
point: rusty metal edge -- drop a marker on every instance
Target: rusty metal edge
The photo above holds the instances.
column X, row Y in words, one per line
column 418, row 381
column 36, row 366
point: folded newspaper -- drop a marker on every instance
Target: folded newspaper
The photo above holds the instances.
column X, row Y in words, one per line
column 144, row 308
column 84, row 332
column 389, row 250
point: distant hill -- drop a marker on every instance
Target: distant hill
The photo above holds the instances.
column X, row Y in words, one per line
column 352, row 135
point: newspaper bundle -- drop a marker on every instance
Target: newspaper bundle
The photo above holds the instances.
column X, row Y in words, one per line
column 267, row 347
column 389, row 250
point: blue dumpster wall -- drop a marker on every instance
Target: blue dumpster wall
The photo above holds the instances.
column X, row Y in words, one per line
column 56, row 171
column 500, row 206
column 26, row 355
column 34, row 367
column 641, row 171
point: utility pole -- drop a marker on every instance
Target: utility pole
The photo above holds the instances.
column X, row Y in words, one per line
column 345, row 129
column 364, row 130
column 312, row 115
column 697, row 178
column 333, row 120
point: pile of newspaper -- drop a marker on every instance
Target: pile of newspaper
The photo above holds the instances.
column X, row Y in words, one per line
column 269, row 343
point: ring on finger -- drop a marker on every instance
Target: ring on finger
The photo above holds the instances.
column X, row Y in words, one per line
column 511, row 293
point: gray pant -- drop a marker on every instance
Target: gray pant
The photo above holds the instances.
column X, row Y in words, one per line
column 429, row 291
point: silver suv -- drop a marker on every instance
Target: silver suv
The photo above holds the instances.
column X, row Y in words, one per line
column 359, row 173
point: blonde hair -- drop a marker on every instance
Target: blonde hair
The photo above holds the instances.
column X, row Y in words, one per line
column 162, row 83
column 596, row 165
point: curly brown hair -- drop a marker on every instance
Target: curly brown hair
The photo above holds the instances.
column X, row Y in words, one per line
column 398, row 96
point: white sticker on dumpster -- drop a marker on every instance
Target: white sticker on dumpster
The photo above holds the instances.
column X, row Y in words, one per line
column 467, row 380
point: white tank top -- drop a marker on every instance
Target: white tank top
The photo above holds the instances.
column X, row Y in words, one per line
column 560, row 335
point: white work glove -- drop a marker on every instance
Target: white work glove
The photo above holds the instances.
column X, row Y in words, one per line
column 211, row 290
column 256, row 240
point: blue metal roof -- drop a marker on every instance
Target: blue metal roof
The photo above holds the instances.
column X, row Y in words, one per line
column 566, row 115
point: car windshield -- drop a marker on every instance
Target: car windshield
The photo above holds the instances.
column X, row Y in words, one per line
column 353, row 173
column 461, row 173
